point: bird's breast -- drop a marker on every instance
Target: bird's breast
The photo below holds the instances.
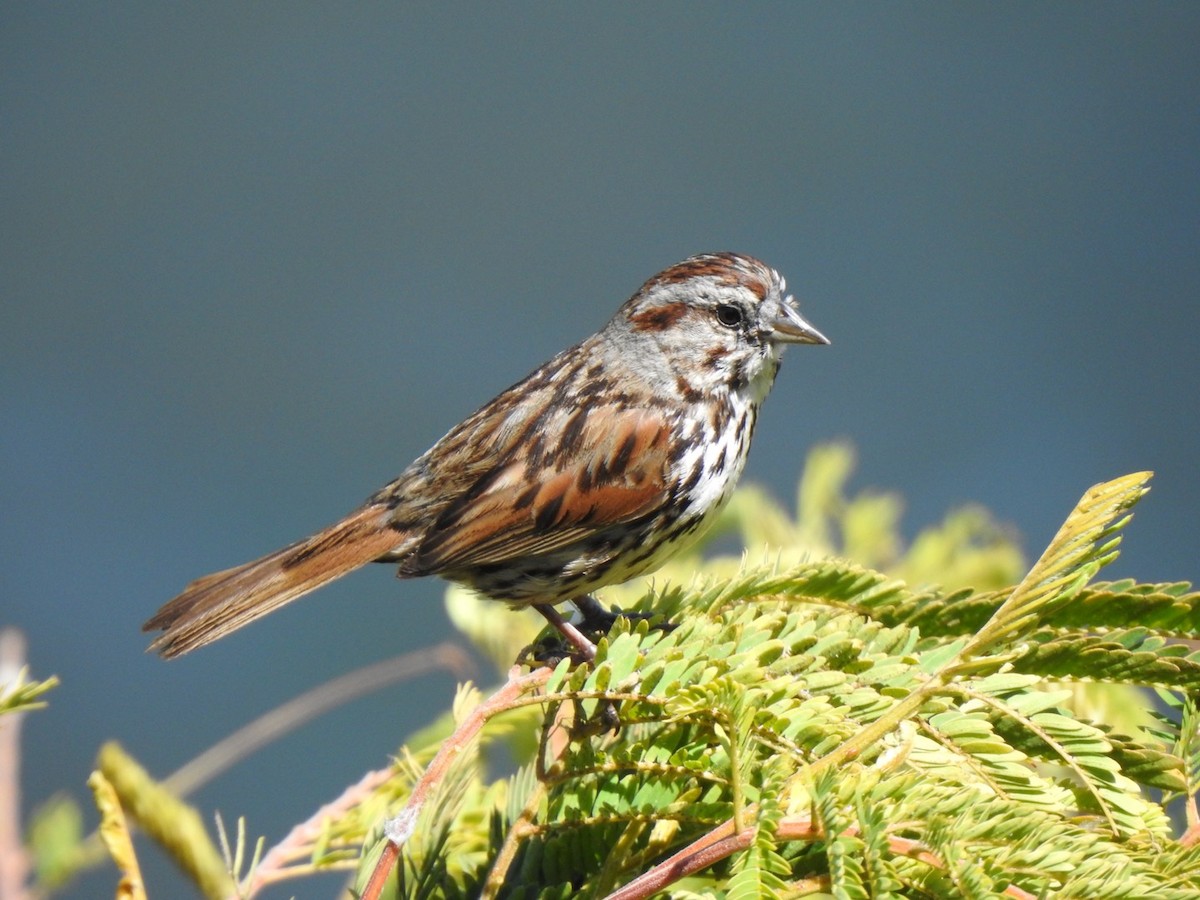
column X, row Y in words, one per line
column 717, row 438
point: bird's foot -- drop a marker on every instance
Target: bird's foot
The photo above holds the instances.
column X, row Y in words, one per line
column 576, row 646
column 599, row 621
column 579, row 641
column 580, row 646
column 584, row 649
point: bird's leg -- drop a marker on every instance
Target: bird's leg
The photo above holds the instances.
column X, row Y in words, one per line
column 606, row 718
column 597, row 622
column 573, row 636
column 596, row 618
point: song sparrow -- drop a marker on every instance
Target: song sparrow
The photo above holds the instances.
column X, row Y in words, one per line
column 590, row 471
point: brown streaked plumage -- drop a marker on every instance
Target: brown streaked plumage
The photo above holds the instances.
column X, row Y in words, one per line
column 588, row 472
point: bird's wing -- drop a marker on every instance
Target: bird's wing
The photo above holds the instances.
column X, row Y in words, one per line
column 585, row 469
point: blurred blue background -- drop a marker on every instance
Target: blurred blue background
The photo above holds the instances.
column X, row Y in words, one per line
column 255, row 258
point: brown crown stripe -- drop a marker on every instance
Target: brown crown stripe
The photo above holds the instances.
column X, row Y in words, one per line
column 728, row 268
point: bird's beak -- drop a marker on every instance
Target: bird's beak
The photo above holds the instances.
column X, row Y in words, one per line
column 791, row 328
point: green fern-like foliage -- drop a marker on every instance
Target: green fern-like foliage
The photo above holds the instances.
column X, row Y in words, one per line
column 854, row 734
column 858, row 733
column 18, row 694
column 833, row 713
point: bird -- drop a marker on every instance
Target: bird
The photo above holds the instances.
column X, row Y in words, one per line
column 593, row 469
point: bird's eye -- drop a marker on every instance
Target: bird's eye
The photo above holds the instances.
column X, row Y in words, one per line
column 729, row 315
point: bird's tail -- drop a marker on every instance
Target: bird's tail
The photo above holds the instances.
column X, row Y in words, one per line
column 217, row 604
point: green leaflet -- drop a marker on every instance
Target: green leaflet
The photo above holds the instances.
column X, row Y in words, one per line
column 873, row 734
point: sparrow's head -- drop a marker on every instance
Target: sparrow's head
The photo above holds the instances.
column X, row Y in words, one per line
column 717, row 321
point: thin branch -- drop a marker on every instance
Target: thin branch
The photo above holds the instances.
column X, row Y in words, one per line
column 1191, row 837
column 298, row 842
column 555, row 739
column 722, row 842
column 399, row 829
column 508, row 850
column 291, row 715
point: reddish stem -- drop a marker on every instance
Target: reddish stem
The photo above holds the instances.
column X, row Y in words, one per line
column 400, row 828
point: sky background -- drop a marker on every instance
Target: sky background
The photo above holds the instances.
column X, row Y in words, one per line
column 255, row 258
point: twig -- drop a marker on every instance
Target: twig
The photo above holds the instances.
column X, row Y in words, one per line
column 1191, row 817
column 715, row 845
column 399, row 829
column 14, row 861
column 298, row 841
column 1191, row 837
column 285, row 718
column 553, row 744
column 275, row 723
column 723, row 842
